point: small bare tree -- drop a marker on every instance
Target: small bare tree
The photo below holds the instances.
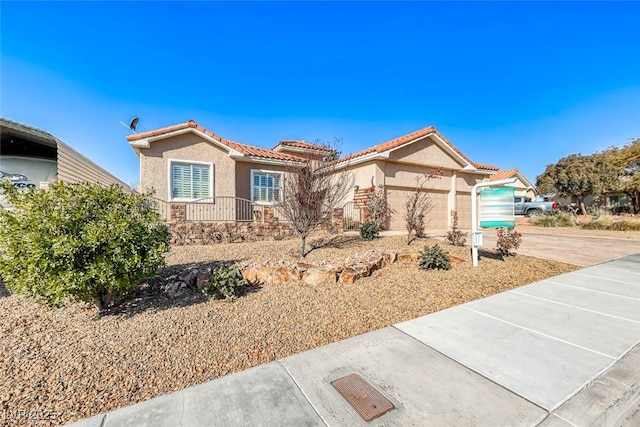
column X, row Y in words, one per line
column 311, row 192
column 418, row 205
column 378, row 209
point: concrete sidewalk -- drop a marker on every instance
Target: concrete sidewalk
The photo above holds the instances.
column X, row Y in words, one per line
column 560, row 352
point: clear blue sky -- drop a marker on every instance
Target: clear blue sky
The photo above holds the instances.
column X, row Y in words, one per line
column 512, row 84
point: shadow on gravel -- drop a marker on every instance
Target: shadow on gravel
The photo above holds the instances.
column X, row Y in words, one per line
column 337, row 242
column 4, row 292
column 150, row 294
column 483, row 253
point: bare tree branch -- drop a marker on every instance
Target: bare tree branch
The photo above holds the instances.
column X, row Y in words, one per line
column 311, row 192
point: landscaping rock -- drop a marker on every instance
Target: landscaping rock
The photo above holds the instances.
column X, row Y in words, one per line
column 203, row 279
column 189, row 276
column 286, row 275
column 176, row 289
column 319, row 275
column 349, row 275
column 260, row 274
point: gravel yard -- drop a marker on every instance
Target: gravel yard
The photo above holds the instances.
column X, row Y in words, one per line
column 68, row 364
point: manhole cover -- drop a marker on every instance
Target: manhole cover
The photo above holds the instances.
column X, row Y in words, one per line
column 368, row 402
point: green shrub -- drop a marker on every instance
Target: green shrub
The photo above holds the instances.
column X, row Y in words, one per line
column 81, row 242
column 226, row 283
column 561, row 219
column 370, row 230
column 434, row 257
column 508, row 239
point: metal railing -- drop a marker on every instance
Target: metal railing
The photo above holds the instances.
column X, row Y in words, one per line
column 163, row 208
column 224, row 208
column 220, row 209
column 352, row 216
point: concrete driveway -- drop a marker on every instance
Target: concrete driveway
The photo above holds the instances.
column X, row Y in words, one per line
column 578, row 250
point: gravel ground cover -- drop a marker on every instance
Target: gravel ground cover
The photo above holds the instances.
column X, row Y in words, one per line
column 57, row 366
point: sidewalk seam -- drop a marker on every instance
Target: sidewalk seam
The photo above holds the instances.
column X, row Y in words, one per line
column 593, row 290
column 606, row 278
column 302, row 391
column 517, row 292
column 540, row 333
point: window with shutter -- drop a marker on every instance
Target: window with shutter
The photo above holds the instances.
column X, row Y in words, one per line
column 266, row 186
column 191, row 181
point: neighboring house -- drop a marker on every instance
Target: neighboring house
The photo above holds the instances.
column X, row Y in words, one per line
column 33, row 157
column 188, row 163
column 523, row 186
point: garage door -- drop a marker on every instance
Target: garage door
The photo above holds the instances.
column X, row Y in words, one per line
column 463, row 205
column 436, row 219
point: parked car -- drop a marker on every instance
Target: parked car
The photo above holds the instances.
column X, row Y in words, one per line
column 13, row 176
column 525, row 206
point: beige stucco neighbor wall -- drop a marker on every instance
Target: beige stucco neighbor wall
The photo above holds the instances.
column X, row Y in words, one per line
column 154, row 164
column 521, row 189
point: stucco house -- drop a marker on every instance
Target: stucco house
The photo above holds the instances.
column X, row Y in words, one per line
column 523, row 187
column 186, row 163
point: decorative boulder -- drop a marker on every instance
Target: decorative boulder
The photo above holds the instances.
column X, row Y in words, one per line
column 260, row 274
column 175, row 289
column 203, row 280
column 319, row 275
column 286, row 275
column 349, row 275
column 189, row 276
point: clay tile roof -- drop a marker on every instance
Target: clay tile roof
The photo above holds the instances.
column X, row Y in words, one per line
column 246, row 149
column 485, row 167
column 386, row 145
column 503, row 174
column 408, row 138
column 302, row 144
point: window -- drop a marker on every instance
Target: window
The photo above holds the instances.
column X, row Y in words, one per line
column 191, row 181
column 266, row 186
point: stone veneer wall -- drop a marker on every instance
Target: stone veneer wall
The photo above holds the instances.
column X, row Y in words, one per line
column 185, row 232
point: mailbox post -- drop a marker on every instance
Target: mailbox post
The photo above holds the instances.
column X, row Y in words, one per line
column 476, row 235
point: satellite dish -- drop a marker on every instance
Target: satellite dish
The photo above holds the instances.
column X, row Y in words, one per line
column 132, row 124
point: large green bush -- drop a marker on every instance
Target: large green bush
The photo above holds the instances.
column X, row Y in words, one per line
column 81, row 242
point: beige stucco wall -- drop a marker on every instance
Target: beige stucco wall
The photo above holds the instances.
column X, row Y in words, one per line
column 521, row 189
column 154, row 163
column 426, row 152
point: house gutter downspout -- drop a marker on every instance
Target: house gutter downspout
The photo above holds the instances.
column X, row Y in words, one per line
column 476, row 236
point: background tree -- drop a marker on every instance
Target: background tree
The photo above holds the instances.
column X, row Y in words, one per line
column 81, row 242
column 418, row 205
column 311, row 192
column 578, row 176
column 627, row 159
